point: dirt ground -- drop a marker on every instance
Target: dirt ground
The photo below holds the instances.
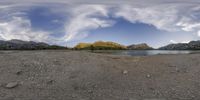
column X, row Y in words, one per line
column 80, row 75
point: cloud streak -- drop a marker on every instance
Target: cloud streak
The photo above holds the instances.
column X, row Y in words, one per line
column 85, row 18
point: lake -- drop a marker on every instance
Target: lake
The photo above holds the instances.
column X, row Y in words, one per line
column 146, row 52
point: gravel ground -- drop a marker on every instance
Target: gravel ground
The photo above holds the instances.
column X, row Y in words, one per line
column 80, row 75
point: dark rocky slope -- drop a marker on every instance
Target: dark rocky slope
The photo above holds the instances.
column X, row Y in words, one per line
column 26, row 45
column 193, row 45
column 142, row 46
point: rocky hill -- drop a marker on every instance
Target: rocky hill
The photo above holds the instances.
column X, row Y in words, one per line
column 83, row 46
column 142, row 46
column 26, row 45
column 193, row 45
column 100, row 45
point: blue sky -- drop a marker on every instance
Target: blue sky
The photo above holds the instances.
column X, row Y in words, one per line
column 128, row 33
column 130, row 22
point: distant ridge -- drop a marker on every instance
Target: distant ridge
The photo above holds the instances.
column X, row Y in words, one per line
column 98, row 45
column 142, row 46
column 193, row 45
column 26, row 45
column 101, row 45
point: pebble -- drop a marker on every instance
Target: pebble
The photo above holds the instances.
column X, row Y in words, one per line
column 125, row 72
column 172, row 66
column 50, row 82
column 148, row 75
column 73, row 96
column 11, row 85
column 177, row 70
column 94, row 86
column 19, row 72
column 90, row 91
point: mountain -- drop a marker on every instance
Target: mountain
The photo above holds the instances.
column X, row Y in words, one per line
column 142, row 46
column 193, row 45
column 26, row 45
column 100, row 45
column 83, row 46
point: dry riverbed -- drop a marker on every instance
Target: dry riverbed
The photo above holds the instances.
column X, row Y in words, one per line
column 80, row 75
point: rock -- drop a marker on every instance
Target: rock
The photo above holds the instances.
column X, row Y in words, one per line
column 50, row 82
column 125, row 72
column 173, row 89
column 171, row 66
column 21, row 83
column 11, row 85
column 177, row 70
column 73, row 96
column 90, row 91
column 19, row 72
column 94, row 86
column 148, row 75
column 192, row 96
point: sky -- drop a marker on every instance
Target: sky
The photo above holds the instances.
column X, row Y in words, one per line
column 68, row 22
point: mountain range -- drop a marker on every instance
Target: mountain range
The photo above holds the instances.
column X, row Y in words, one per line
column 101, row 45
column 98, row 45
column 193, row 45
column 26, row 45
column 142, row 46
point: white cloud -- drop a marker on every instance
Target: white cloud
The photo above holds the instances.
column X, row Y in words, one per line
column 85, row 18
column 186, row 41
column 198, row 33
column 168, row 17
column 172, row 41
column 56, row 21
column 163, row 16
column 20, row 28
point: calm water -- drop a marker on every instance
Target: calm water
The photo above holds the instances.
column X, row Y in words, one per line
column 145, row 52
